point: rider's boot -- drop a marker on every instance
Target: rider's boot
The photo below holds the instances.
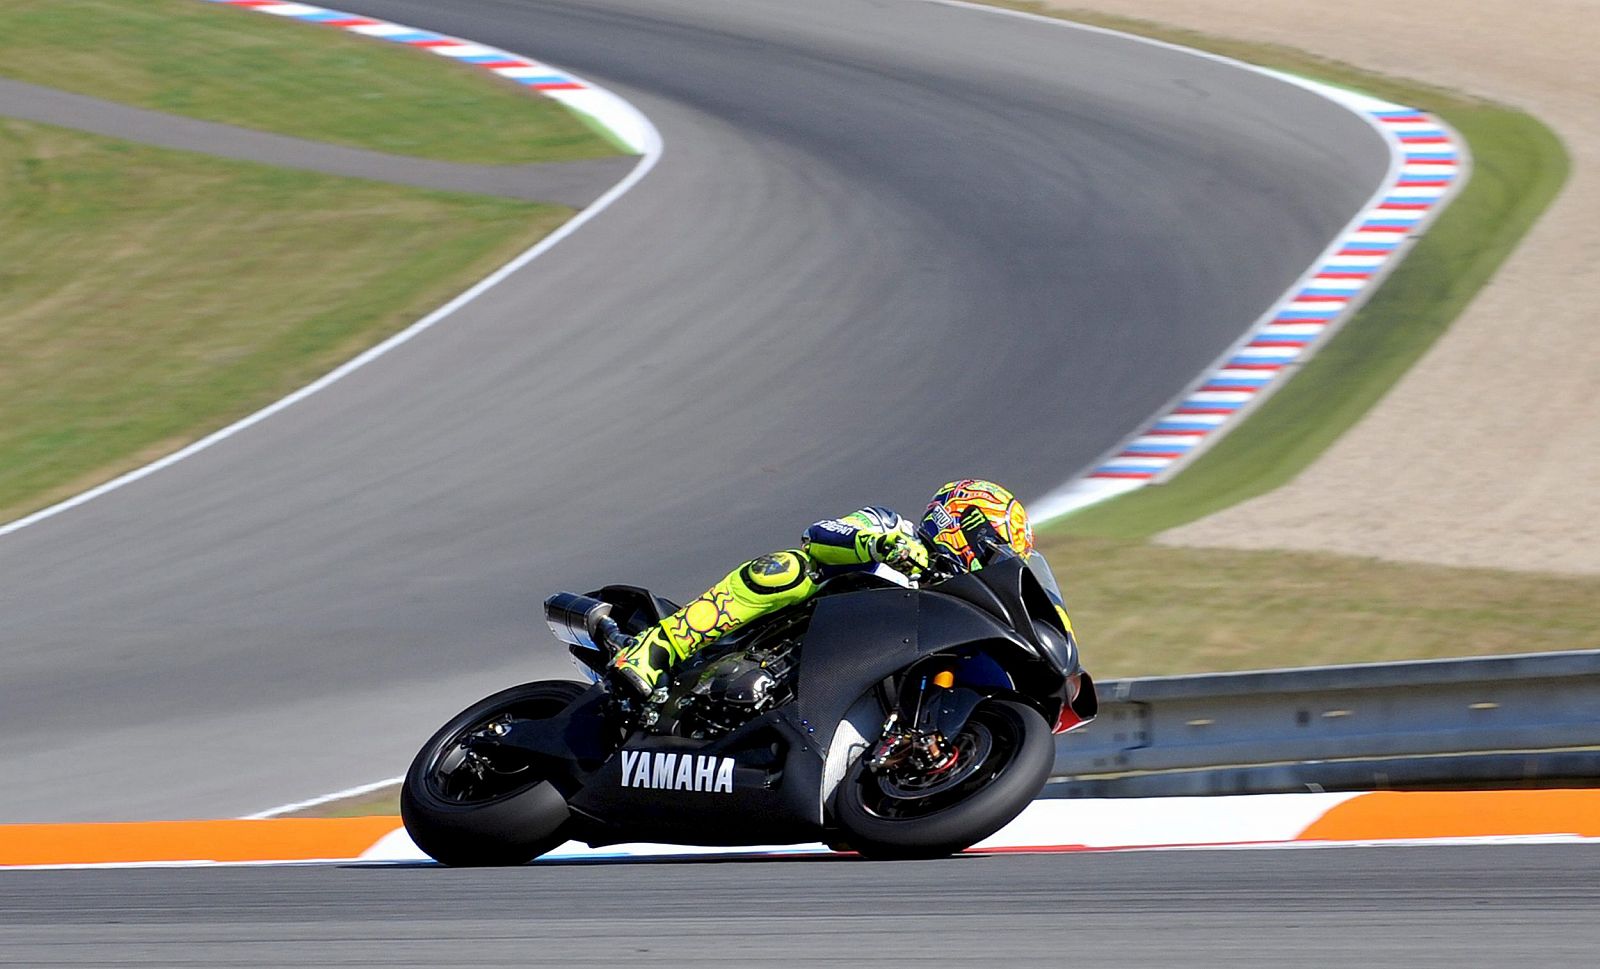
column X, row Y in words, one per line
column 752, row 590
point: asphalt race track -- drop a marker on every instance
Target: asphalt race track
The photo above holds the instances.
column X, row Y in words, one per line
column 889, row 243
column 1396, row 908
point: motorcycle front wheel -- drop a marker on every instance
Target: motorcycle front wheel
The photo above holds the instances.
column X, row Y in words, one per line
column 1005, row 753
column 465, row 808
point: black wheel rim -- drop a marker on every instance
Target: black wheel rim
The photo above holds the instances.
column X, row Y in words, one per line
column 985, row 748
column 467, row 769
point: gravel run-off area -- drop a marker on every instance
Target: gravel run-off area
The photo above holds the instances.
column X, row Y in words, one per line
column 1488, row 452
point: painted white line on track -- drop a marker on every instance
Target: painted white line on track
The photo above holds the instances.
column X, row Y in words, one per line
column 310, row 863
column 322, row 799
column 789, row 852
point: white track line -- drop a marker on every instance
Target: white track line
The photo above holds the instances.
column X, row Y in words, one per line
column 799, row 851
column 322, row 799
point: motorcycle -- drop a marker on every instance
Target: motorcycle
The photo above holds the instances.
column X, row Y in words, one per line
column 892, row 717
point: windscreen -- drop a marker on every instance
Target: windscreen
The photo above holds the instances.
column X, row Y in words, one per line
column 1047, row 578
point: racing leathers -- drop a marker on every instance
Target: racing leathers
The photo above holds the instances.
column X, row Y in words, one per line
column 864, row 539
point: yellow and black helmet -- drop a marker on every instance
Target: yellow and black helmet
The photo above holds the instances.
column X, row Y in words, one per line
column 942, row 522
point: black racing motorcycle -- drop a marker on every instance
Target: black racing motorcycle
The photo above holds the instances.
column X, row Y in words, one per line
column 896, row 719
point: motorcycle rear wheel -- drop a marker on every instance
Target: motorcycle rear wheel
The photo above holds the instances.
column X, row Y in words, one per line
column 464, row 812
column 885, row 816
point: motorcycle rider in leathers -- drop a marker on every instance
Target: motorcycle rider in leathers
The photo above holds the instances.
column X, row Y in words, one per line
column 861, row 540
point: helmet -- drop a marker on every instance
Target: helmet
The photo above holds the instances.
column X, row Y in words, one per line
column 942, row 522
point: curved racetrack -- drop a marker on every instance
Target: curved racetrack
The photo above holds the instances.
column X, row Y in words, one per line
column 888, row 243
column 1395, row 908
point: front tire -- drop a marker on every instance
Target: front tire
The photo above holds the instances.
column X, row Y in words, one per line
column 462, row 810
column 885, row 816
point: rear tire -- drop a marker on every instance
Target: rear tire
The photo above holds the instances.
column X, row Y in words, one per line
column 1017, row 753
column 506, row 819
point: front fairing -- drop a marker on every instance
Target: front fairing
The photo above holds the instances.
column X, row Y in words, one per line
column 1010, row 589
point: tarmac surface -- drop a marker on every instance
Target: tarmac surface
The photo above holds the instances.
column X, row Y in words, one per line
column 574, row 183
column 888, row 244
column 1387, row 908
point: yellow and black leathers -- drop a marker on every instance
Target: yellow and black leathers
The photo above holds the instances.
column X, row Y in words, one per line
column 860, row 540
column 866, row 539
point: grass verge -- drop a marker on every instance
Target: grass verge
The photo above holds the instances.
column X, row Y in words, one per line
column 234, row 66
column 1518, row 167
column 148, row 296
column 1146, row 610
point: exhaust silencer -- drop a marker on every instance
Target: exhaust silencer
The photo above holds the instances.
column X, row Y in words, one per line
column 577, row 620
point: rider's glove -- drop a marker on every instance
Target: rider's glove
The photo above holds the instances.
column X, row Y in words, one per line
column 901, row 552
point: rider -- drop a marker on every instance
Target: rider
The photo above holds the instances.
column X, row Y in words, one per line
column 859, row 541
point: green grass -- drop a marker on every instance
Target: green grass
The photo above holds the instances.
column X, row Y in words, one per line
column 1518, row 167
column 1146, row 610
column 150, row 296
column 239, row 67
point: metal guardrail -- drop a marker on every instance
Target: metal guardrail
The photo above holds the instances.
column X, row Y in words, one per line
column 1491, row 720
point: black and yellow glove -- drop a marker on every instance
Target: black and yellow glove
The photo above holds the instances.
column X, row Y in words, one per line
column 901, row 552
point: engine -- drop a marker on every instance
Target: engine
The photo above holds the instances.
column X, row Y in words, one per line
column 719, row 690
